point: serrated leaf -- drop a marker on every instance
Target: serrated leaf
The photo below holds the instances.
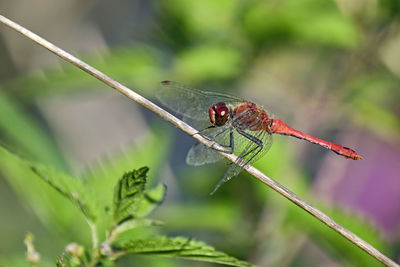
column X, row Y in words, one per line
column 70, row 187
column 105, row 175
column 66, row 185
column 180, row 247
column 128, row 194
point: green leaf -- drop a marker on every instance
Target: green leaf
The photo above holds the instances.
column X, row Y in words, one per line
column 128, row 194
column 152, row 152
column 130, row 198
column 105, row 175
column 131, row 202
column 70, row 187
column 179, row 247
column 54, row 210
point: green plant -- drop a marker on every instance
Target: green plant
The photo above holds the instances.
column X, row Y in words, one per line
column 130, row 206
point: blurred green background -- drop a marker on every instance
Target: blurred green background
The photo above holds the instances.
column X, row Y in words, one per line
column 327, row 68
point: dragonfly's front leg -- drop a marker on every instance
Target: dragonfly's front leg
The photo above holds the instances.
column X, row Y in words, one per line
column 231, row 142
column 216, row 134
column 252, row 149
column 241, row 162
column 205, row 129
column 259, row 146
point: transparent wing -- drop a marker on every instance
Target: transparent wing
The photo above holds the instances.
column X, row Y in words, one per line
column 200, row 154
column 197, row 124
column 248, row 152
column 190, row 102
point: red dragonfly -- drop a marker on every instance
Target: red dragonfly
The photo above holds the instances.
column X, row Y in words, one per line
column 239, row 126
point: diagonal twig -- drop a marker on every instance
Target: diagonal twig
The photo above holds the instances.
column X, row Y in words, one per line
column 191, row 131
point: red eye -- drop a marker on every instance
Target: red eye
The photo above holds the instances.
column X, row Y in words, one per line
column 221, row 109
column 218, row 113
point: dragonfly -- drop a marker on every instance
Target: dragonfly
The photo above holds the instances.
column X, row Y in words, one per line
column 239, row 126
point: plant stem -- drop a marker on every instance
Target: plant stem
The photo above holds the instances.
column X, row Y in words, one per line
column 192, row 132
column 95, row 238
column 95, row 244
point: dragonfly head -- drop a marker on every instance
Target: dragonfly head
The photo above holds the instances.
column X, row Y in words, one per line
column 219, row 114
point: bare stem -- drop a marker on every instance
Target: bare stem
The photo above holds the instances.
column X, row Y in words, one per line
column 192, row 132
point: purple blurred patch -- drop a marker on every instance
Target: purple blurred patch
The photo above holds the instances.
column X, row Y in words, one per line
column 370, row 187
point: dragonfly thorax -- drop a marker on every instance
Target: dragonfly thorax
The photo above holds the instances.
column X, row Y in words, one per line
column 219, row 114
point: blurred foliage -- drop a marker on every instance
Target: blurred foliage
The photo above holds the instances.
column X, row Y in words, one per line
column 306, row 22
column 16, row 125
column 131, row 204
column 339, row 55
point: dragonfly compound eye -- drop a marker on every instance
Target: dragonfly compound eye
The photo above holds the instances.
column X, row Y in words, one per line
column 218, row 113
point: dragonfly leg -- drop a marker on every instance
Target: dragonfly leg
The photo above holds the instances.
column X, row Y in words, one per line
column 241, row 162
column 255, row 140
column 212, row 138
column 231, row 143
column 199, row 132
